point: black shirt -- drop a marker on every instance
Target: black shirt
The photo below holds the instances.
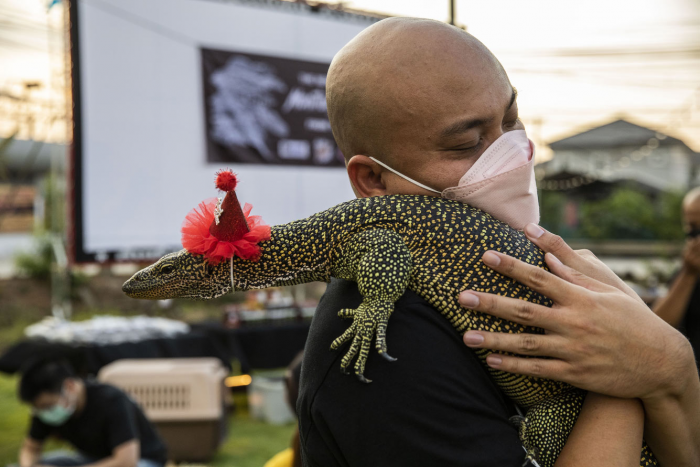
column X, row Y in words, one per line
column 434, row 406
column 108, row 419
column 690, row 323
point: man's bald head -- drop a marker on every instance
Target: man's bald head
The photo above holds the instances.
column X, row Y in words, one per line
column 396, row 74
column 691, row 209
column 692, row 199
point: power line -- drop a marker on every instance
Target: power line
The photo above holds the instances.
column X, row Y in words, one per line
column 693, row 51
column 141, row 22
column 4, row 41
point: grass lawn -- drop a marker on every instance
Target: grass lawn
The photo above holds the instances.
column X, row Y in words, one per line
column 250, row 443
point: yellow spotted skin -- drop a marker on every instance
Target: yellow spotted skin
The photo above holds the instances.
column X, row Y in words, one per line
column 388, row 244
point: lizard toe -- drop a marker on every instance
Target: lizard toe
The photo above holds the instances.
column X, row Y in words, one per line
column 362, row 378
column 387, row 357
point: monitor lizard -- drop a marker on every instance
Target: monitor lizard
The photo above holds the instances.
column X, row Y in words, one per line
column 386, row 245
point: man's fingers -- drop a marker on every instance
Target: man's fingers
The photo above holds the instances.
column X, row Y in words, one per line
column 583, row 261
column 586, row 254
column 512, row 309
column 541, row 368
column 550, row 243
column 523, row 344
column 574, row 276
column 597, row 277
column 554, row 244
column 536, row 278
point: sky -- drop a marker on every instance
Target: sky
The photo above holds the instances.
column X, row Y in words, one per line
column 575, row 64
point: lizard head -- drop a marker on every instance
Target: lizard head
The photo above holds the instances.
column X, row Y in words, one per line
column 180, row 275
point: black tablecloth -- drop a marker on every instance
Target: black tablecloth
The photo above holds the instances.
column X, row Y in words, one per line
column 260, row 346
column 255, row 347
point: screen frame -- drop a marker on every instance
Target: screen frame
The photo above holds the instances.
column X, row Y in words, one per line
column 76, row 190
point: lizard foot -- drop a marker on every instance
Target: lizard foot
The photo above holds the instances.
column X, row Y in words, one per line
column 347, row 313
column 370, row 318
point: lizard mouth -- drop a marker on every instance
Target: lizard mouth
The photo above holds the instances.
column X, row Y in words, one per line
column 126, row 288
column 135, row 290
column 136, row 287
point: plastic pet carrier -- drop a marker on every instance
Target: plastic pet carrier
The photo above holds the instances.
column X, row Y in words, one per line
column 183, row 397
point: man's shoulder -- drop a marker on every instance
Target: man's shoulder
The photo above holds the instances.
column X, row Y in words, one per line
column 104, row 392
column 434, row 405
column 417, row 335
column 411, row 307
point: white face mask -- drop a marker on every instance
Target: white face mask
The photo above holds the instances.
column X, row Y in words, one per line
column 501, row 183
column 58, row 414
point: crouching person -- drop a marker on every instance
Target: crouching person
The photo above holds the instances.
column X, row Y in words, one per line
column 104, row 426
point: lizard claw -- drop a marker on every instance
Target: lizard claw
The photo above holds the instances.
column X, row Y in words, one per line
column 369, row 319
column 388, row 357
column 362, row 378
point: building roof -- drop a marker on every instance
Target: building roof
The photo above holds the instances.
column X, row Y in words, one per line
column 597, row 186
column 29, row 156
column 614, row 134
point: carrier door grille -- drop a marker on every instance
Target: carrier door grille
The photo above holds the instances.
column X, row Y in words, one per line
column 161, row 397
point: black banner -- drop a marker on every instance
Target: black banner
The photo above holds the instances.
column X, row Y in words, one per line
column 266, row 110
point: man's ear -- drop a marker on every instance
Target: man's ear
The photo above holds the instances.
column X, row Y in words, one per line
column 365, row 176
column 69, row 384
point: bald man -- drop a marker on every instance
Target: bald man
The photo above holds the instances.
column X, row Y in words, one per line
column 681, row 305
column 426, row 99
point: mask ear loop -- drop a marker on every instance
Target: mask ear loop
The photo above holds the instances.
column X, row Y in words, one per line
column 403, row 176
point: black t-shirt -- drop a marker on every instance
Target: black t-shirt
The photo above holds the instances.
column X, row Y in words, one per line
column 108, row 419
column 434, row 406
column 690, row 323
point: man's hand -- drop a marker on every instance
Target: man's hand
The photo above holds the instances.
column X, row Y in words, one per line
column 598, row 336
column 691, row 255
column 30, row 452
column 583, row 261
column 126, row 454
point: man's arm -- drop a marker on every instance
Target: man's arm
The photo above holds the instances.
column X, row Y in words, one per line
column 601, row 340
column 672, row 425
column 614, row 426
column 30, row 452
column 125, row 455
column 673, row 306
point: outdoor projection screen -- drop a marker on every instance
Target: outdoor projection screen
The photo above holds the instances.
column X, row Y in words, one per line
column 166, row 92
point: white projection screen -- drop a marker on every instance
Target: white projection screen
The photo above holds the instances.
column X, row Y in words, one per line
column 166, row 92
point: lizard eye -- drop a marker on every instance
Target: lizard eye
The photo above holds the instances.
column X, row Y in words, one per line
column 167, row 269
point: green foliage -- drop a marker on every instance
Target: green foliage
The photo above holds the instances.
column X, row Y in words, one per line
column 13, row 422
column 251, row 443
column 626, row 214
column 670, row 217
column 36, row 264
column 55, row 201
column 552, row 210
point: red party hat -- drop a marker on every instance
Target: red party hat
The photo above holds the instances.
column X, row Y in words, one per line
column 229, row 222
column 219, row 229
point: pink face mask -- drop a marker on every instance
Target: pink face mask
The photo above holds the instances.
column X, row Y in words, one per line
column 501, row 183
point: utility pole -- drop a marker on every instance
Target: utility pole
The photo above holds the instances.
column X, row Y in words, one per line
column 452, row 12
